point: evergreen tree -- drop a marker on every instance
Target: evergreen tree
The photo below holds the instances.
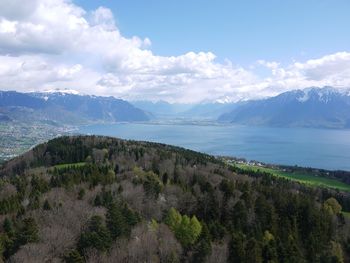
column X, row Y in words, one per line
column 131, row 218
column 28, row 232
column 81, row 193
column 74, row 257
column 293, row 253
column 236, row 248
column 165, row 178
column 97, row 236
column 203, row 246
column 97, row 201
column 8, row 227
column 109, row 177
column 269, row 250
column 253, row 251
column 239, row 216
column 47, row 205
column 116, row 222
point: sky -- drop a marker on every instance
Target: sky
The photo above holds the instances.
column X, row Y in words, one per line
column 186, row 51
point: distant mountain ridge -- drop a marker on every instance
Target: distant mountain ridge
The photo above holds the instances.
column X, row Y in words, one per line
column 201, row 111
column 211, row 110
column 162, row 109
column 67, row 107
column 312, row 107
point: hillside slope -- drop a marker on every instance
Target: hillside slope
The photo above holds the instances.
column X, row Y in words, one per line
column 101, row 199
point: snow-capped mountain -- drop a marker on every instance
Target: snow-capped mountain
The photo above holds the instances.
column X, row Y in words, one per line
column 62, row 91
column 313, row 107
column 67, row 107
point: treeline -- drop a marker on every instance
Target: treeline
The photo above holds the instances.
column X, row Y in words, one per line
column 342, row 197
column 343, row 176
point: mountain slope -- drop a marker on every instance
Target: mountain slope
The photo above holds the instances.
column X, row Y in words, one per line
column 67, row 108
column 101, row 199
column 16, row 99
column 314, row 107
column 94, row 107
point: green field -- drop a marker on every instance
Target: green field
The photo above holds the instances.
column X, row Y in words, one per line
column 305, row 178
column 68, row 165
column 346, row 214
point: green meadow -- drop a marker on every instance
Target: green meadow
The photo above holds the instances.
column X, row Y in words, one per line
column 69, row 165
column 305, row 178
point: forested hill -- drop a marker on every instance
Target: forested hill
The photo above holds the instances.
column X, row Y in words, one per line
column 100, row 199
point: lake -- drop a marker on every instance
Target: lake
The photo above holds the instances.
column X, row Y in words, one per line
column 320, row 148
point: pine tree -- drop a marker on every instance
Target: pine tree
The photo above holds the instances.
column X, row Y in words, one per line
column 97, row 201
column 203, row 246
column 28, row 232
column 131, row 218
column 116, row 222
column 47, row 205
column 253, row 251
column 9, row 228
column 81, row 193
column 236, row 248
column 97, row 236
column 165, row 178
column 74, row 257
column 269, row 251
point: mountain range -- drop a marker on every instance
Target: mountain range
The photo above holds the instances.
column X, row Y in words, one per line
column 67, row 108
column 163, row 109
column 200, row 111
column 313, row 107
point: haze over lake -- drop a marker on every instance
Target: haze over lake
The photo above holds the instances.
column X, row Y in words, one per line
column 320, row 148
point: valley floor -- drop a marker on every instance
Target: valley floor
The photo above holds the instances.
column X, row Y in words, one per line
column 17, row 138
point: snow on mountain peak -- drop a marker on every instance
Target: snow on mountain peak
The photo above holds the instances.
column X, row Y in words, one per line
column 324, row 94
column 62, row 91
column 305, row 97
column 224, row 100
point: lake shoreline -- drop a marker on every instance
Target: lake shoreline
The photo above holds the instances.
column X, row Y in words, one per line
column 304, row 147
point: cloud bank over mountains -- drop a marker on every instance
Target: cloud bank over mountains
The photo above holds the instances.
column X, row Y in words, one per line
column 49, row 44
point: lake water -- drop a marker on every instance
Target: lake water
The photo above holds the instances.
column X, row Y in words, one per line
column 321, row 148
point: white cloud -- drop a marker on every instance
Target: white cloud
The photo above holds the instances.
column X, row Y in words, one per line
column 330, row 70
column 17, row 9
column 328, row 66
column 103, row 17
column 50, row 44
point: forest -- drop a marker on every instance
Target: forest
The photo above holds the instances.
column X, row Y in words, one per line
column 102, row 199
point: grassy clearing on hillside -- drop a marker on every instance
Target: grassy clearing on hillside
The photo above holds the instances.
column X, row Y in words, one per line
column 346, row 214
column 305, row 178
column 66, row 165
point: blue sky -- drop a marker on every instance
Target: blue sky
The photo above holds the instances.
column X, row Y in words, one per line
column 243, row 31
column 186, row 51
